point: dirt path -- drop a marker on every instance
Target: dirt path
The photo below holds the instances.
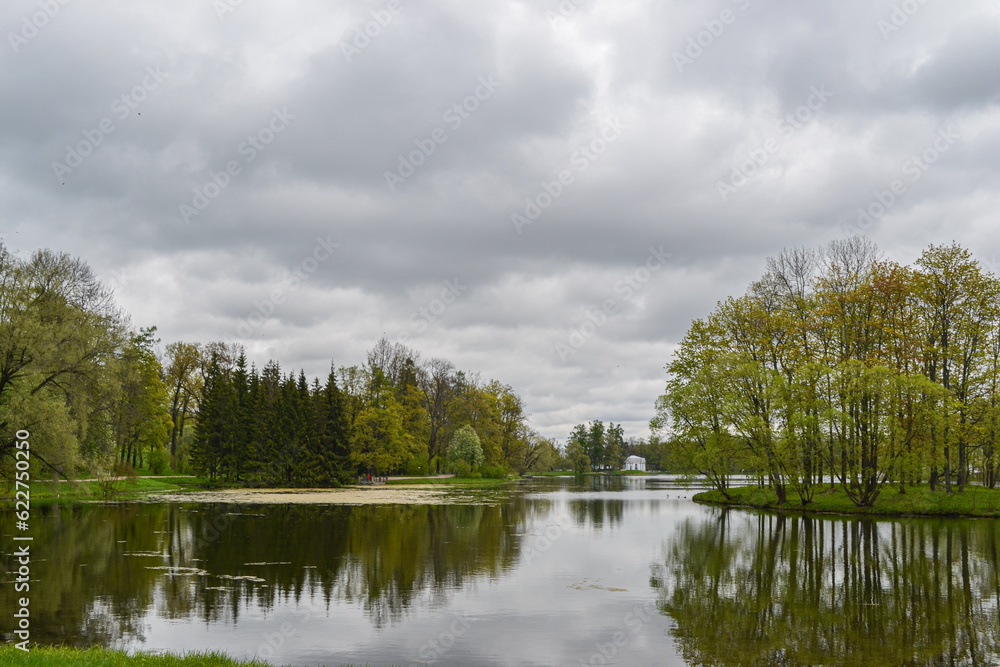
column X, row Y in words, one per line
column 98, row 479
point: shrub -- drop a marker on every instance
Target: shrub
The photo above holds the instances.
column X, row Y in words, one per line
column 159, row 461
column 460, row 468
column 418, row 465
column 493, row 472
column 113, row 476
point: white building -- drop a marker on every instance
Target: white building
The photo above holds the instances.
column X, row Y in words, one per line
column 635, row 463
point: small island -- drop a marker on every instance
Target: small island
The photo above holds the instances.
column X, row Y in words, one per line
column 844, row 382
column 919, row 500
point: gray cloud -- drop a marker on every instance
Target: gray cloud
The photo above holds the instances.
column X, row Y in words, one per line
column 554, row 86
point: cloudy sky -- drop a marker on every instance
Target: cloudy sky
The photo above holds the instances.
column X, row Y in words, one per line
column 543, row 192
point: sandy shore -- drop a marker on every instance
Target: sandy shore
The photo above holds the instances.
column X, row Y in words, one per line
column 376, row 495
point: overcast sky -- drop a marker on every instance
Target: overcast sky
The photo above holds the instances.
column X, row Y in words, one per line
column 476, row 177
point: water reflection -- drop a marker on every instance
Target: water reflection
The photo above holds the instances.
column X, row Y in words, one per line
column 761, row 589
column 104, row 567
column 548, row 572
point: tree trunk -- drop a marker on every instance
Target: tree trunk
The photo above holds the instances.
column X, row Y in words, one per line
column 947, row 469
column 963, row 466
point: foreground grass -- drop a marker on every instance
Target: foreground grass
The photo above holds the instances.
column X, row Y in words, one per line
column 57, row 656
column 976, row 501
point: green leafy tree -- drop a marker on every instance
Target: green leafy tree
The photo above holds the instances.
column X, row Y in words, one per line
column 465, row 446
column 59, row 334
column 182, row 381
column 380, row 441
column 576, row 457
column 140, row 418
column 841, row 363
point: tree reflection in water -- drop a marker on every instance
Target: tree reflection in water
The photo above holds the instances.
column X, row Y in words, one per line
column 97, row 571
column 763, row 589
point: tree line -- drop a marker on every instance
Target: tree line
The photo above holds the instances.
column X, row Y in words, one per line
column 95, row 393
column 839, row 365
column 74, row 372
column 393, row 414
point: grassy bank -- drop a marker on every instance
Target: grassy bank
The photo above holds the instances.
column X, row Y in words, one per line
column 452, row 481
column 44, row 493
column 975, row 501
column 40, row 656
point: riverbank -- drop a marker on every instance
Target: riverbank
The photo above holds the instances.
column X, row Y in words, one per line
column 74, row 491
column 975, row 501
column 46, row 656
column 408, row 491
column 448, row 481
column 360, row 495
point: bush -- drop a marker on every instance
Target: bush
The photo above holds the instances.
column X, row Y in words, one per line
column 460, row 468
column 437, row 464
column 124, row 469
column 417, row 466
column 159, row 461
column 113, row 476
column 493, row 472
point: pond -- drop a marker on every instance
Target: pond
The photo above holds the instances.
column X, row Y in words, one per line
column 555, row 571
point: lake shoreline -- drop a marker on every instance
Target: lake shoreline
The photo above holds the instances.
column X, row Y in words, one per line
column 177, row 488
column 412, row 494
column 63, row 656
column 975, row 502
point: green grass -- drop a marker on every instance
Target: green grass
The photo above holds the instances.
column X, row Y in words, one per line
column 53, row 656
column 46, row 493
column 57, row 656
column 975, row 501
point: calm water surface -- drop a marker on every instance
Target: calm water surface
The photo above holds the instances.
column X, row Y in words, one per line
column 624, row 571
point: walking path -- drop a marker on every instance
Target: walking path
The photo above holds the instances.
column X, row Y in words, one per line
column 101, row 479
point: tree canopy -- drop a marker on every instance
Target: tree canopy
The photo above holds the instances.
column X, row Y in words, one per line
column 93, row 390
column 838, row 363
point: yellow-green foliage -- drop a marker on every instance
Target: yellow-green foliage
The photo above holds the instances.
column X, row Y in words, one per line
column 916, row 501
